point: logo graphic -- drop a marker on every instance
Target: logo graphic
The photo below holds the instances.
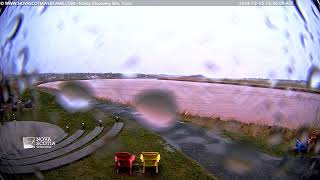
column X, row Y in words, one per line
column 29, row 142
column 37, row 142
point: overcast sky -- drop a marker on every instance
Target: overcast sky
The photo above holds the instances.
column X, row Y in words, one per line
column 216, row 41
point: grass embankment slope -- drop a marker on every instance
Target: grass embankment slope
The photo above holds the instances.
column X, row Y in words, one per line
column 100, row 165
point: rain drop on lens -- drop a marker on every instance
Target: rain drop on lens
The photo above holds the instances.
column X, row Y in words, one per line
column 238, row 166
column 5, row 94
column 272, row 79
column 42, row 9
column 313, row 79
column 22, row 60
column 75, row 97
column 14, row 27
column 158, row 108
column 32, row 78
column 273, row 82
column 275, row 139
column 22, row 85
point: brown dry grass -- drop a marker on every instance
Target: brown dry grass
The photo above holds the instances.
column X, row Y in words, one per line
column 251, row 129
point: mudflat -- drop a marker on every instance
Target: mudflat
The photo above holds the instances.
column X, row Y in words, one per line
column 246, row 104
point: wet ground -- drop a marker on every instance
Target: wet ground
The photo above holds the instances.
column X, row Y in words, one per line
column 224, row 158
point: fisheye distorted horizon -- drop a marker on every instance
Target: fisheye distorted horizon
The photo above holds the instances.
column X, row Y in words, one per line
column 275, row 42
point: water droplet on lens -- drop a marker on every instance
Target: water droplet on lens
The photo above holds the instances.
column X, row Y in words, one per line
column 310, row 58
column 42, row 9
column 269, row 23
column 313, row 79
column 267, row 104
column 75, row 19
column 157, row 107
column 5, row 94
column 287, row 35
column 290, row 69
column 22, row 85
column 21, row 62
column 275, row 139
column 25, row 33
column 92, row 29
column 98, row 43
column 302, row 40
column 210, row 66
column 278, row 118
column 298, row 9
column 5, row 58
column 32, row 79
column 14, row 27
column 129, row 76
column 60, row 26
column 75, row 96
column 273, row 82
column 314, row 13
column 237, row 166
column 132, row 61
column 272, row 79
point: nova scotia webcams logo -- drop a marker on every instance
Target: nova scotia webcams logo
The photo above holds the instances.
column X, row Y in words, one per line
column 28, row 142
column 37, row 142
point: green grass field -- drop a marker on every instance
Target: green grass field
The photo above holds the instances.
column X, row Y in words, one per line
column 100, row 165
